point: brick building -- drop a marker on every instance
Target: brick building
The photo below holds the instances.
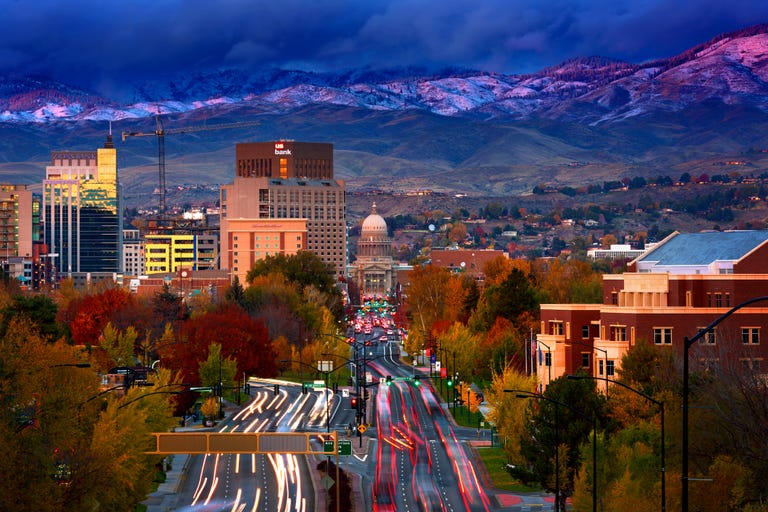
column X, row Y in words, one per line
column 669, row 293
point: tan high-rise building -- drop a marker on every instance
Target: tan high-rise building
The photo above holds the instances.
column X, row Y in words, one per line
column 18, row 216
column 281, row 181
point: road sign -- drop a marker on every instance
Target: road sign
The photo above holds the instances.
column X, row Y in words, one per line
column 345, row 447
column 315, row 384
column 345, row 393
column 362, row 428
column 327, row 482
column 329, row 446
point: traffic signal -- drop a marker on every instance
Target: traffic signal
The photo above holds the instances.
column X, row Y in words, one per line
column 303, row 389
column 417, row 380
column 353, row 402
column 449, row 382
column 389, row 380
column 277, row 389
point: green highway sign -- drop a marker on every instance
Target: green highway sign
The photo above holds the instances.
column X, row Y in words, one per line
column 314, row 385
column 345, row 447
column 329, row 446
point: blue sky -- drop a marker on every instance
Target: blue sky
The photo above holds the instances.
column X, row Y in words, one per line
column 99, row 44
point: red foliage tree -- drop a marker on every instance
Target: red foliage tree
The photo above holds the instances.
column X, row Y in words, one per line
column 90, row 314
column 241, row 337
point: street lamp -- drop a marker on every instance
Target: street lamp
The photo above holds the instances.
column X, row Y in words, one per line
column 688, row 343
column 659, row 403
column 557, row 403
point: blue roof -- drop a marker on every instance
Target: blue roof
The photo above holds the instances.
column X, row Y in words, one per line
column 705, row 248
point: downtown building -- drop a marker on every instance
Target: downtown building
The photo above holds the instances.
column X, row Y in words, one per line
column 20, row 245
column 668, row 294
column 81, row 214
column 284, row 199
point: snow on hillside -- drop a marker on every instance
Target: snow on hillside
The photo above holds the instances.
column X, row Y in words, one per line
column 732, row 69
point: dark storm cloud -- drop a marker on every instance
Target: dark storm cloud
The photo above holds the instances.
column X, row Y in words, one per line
column 100, row 44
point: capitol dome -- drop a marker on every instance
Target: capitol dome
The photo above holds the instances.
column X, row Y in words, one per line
column 374, row 225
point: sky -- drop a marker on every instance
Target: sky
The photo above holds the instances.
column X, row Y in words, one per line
column 99, row 44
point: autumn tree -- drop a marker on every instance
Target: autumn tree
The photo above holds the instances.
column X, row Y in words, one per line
column 240, row 336
column 117, row 347
column 90, row 314
column 306, row 270
column 511, row 298
column 68, row 446
column 508, row 412
column 457, row 233
column 427, row 297
column 216, row 369
column 502, row 346
column 459, row 347
column 568, row 281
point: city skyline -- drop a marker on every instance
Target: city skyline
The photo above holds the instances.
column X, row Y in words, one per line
column 101, row 47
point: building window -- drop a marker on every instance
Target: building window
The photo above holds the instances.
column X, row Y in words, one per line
column 710, row 338
column 662, row 335
column 556, row 328
column 584, row 332
column 750, row 335
column 585, row 357
column 548, row 359
column 619, row 332
column 609, row 368
column 615, row 298
column 718, row 300
column 600, row 367
column 749, row 365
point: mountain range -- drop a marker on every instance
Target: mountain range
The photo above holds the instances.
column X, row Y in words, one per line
column 583, row 121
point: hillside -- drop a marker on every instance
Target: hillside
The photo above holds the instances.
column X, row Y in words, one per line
column 486, row 135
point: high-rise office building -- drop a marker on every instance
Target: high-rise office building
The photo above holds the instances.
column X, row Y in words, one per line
column 278, row 181
column 81, row 217
column 19, row 221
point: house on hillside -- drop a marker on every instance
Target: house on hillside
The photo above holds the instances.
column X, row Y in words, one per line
column 668, row 294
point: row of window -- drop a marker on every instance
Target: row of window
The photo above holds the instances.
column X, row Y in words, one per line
column 661, row 335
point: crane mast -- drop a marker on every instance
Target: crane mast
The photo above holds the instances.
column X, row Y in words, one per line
column 160, row 132
column 160, row 162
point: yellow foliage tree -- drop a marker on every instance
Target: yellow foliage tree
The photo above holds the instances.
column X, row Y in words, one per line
column 507, row 412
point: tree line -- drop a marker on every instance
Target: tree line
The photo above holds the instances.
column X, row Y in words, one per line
column 72, row 442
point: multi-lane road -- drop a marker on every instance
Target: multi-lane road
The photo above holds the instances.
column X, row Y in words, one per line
column 414, row 460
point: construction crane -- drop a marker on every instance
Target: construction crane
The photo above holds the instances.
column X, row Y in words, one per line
column 160, row 132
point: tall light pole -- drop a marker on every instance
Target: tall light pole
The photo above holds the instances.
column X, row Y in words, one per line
column 688, row 343
column 557, row 403
column 660, row 404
